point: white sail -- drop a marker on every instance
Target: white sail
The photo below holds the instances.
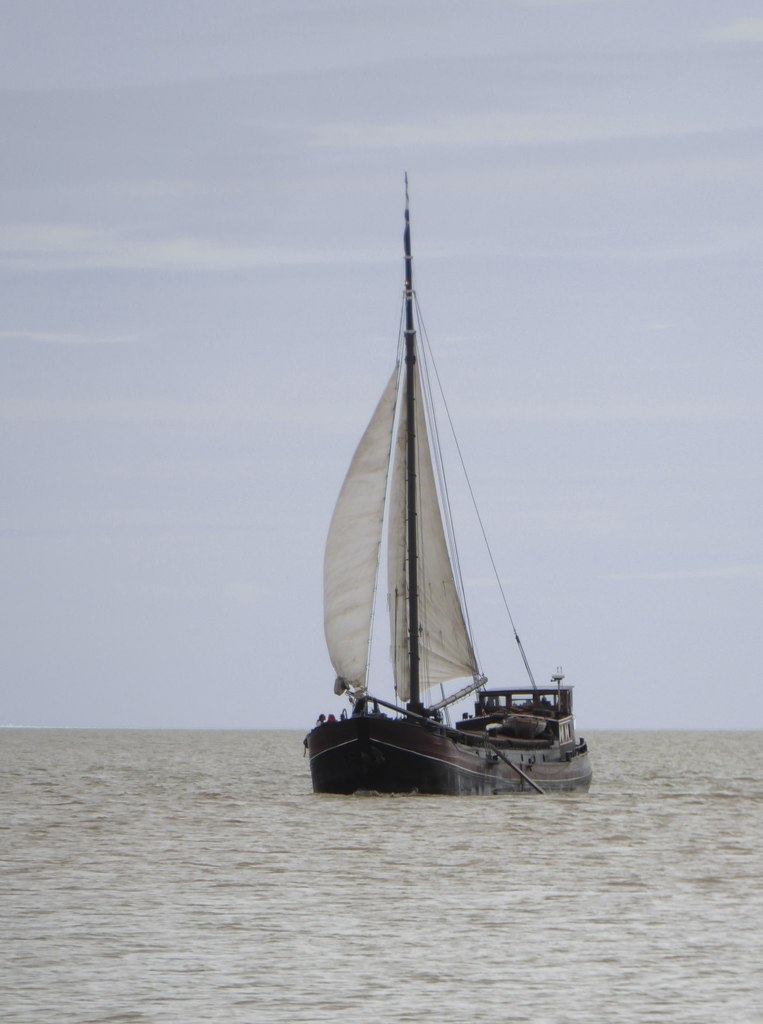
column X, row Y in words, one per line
column 445, row 648
column 352, row 547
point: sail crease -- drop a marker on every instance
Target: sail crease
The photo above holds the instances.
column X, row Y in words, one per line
column 445, row 647
column 352, row 548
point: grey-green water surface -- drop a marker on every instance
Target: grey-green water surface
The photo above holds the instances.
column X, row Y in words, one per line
column 193, row 877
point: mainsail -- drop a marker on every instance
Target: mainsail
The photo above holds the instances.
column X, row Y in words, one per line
column 352, row 548
column 445, row 648
column 430, row 642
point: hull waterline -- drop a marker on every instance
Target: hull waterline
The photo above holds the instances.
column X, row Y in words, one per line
column 388, row 755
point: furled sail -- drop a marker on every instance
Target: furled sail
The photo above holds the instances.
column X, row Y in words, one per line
column 445, row 648
column 352, row 548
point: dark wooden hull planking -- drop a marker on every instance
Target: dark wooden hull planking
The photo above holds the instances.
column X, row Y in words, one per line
column 376, row 753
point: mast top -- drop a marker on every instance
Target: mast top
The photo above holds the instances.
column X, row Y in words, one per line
column 407, row 244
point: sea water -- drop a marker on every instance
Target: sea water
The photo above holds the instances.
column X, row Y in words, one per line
column 194, row 876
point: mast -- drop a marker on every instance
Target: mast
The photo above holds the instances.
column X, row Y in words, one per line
column 414, row 703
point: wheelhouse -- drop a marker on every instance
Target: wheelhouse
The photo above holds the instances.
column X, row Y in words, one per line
column 549, row 702
column 524, row 717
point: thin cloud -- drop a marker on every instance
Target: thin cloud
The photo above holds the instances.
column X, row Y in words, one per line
column 65, row 338
column 627, row 410
column 730, row 241
column 494, row 129
column 561, row 3
column 79, row 247
column 728, row 572
column 74, row 410
column 744, row 30
column 158, row 411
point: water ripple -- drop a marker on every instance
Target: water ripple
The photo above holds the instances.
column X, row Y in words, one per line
column 193, row 877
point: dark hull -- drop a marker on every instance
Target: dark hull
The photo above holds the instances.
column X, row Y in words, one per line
column 398, row 755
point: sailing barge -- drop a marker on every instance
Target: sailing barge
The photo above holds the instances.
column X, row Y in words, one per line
column 518, row 739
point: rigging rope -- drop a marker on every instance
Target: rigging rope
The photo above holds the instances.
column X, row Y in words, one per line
column 446, row 499
column 443, row 485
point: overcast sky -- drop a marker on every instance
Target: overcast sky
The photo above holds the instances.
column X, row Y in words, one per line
column 200, row 285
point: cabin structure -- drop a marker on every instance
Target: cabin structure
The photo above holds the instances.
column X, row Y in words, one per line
column 523, row 715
